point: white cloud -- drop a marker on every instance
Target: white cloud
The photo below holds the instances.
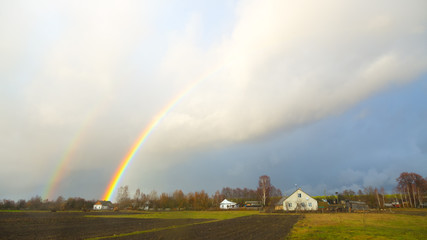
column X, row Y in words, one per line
column 104, row 67
column 289, row 63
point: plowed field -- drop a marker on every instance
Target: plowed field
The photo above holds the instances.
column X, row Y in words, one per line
column 250, row 227
column 63, row 225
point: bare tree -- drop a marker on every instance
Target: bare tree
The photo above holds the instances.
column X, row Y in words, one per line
column 275, row 192
column 411, row 184
column 383, row 193
column 264, row 188
column 401, row 198
column 420, row 199
column 409, row 196
column 413, row 194
column 378, row 198
column 153, row 198
column 217, row 198
column 59, row 203
column 122, row 197
column 137, row 199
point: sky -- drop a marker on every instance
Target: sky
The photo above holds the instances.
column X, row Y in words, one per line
column 326, row 95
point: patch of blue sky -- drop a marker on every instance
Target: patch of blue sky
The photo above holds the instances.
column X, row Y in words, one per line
column 213, row 21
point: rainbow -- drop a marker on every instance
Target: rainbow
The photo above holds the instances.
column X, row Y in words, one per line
column 118, row 174
column 60, row 169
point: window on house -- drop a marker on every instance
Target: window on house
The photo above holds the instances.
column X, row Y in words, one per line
column 299, row 195
column 309, row 204
column 289, row 204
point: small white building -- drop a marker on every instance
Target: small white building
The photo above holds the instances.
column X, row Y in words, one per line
column 228, row 205
column 103, row 205
column 300, row 201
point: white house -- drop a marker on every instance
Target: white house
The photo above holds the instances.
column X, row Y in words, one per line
column 300, row 201
column 103, row 205
column 227, row 204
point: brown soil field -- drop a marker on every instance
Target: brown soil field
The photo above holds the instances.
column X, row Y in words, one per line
column 74, row 225
column 250, row 227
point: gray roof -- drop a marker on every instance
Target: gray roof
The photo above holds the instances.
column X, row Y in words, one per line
column 280, row 202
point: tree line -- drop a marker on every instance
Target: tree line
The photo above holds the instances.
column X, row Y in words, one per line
column 411, row 191
column 37, row 203
column 199, row 200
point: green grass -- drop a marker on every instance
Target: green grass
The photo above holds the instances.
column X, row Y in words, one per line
column 360, row 226
column 415, row 210
column 217, row 215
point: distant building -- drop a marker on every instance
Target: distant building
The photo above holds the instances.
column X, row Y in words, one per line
column 300, row 201
column 228, row 205
column 356, row 206
column 253, row 204
column 103, row 205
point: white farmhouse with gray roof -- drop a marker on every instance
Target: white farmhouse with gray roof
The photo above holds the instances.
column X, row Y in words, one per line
column 299, row 201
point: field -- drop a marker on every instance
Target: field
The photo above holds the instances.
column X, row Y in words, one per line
column 399, row 224
column 162, row 225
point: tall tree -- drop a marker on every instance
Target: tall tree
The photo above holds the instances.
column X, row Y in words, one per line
column 383, row 196
column 348, row 194
column 179, row 198
column 369, row 196
column 275, row 192
column 59, row 203
column 217, row 198
column 412, row 183
column 137, row 199
column 227, row 192
column 164, row 201
column 378, row 198
column 264, row 188
column 122, row 197
column 21, row 204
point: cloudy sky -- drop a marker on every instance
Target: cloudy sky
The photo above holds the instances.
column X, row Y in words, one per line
column 328, row 95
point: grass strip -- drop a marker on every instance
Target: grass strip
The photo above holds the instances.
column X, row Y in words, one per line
column 152, row 230
column 215, row 215
column 25, row 211
column 219, row 215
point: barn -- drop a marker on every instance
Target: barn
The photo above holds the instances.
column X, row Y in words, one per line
column 300, row 201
